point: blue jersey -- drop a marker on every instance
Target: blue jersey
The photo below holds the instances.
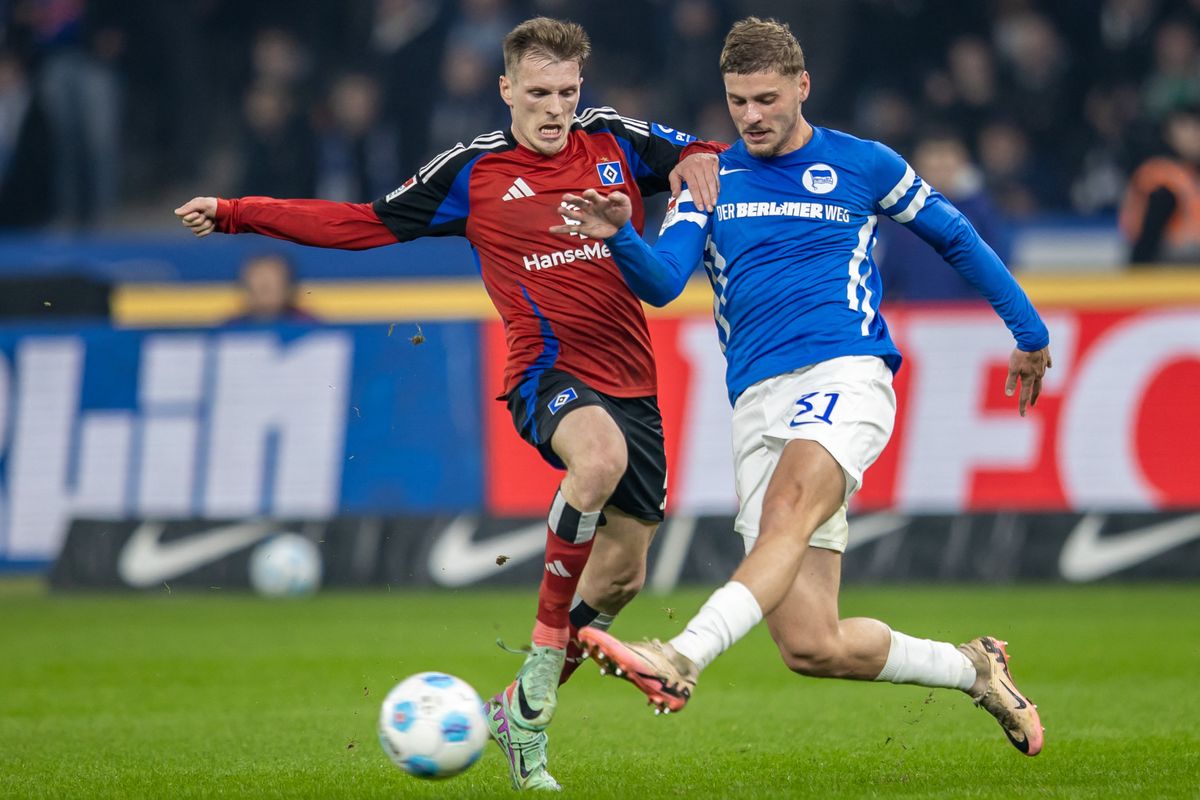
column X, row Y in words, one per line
column 788, row 251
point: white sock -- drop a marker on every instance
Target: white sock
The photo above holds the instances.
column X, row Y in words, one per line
column 603, row 621
column 729, row 614
column 927, row 663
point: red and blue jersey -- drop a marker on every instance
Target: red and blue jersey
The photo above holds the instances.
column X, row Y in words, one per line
column 563, row 300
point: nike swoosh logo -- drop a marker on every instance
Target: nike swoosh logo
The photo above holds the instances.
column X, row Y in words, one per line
column 525, row 773
column 458, row 559
column 527, row 711
column 1020, row 700
column 146, row 560
column 664, row 687
column 725, row 171
column 869, row 527
column 1021, row 744
column 1086, row 556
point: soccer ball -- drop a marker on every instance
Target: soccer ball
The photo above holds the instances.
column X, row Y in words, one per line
column 432, row 725
column 285, row 565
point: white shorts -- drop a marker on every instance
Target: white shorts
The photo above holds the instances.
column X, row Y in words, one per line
column 845, row 404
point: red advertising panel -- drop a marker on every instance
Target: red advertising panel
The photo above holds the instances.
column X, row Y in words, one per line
column 1116, row 427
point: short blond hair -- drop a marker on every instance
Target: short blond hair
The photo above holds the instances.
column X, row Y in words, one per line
column 761, row 45
column 543, row 37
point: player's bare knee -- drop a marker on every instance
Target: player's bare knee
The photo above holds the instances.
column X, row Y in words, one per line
column 792, row 515
column 814, row 657
column 597, row 473
column 783, row 521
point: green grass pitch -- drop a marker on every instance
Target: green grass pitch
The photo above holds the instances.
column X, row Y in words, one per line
column 219, row 694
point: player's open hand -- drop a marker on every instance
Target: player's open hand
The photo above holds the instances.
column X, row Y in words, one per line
column 593, row 214
column 1028, row 368
column 700, row 172
column 199, row 215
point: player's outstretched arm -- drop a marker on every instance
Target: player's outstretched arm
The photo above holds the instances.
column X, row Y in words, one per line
column 933, row 218
column 903, row 196
column 319, row 223
column 1029, row 369
column 966, row 251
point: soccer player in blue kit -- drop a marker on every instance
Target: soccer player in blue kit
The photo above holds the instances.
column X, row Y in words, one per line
column 787, row 249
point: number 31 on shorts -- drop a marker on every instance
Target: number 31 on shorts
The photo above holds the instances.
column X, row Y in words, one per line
column 809, row 404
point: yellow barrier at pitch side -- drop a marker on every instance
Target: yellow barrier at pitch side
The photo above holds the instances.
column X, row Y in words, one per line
column 165, row 305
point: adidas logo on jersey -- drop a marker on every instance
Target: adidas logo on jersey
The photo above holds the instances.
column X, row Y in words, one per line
column 518, row 190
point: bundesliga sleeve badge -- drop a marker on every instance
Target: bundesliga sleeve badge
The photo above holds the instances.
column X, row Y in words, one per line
column 408, row 184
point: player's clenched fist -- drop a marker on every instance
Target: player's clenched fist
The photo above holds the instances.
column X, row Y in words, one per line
column 199, row 214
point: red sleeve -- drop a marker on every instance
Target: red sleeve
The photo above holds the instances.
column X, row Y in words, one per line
column 701, row 146
column 320, row 223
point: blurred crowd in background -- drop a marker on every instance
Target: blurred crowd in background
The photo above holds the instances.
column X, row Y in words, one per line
column 112, row 110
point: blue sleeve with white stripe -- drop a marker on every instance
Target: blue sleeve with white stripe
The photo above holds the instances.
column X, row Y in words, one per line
column 657, row 275
column 910, row 201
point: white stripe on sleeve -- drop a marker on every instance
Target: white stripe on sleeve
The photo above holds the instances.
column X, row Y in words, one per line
column 687, row 216
column 918, row 202
column 900, row 189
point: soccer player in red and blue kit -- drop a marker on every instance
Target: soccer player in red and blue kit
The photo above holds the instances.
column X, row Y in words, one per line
column 580, row 379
